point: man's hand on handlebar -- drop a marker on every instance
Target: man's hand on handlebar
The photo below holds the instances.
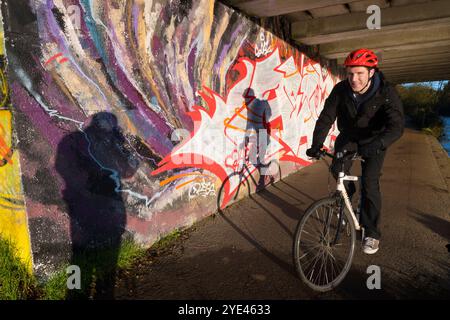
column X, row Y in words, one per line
column 316, row 152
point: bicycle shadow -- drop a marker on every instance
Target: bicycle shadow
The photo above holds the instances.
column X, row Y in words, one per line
column 283, row 264
column 247, row 184
column 253, row 165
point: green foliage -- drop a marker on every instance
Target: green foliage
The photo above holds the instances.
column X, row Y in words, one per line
column 128, row 253
column 167, row 240
column 15, row 281
column 56, row 287
column 423, row 105
column 436, row 131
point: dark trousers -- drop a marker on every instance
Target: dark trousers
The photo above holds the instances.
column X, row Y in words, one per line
column 370, row 188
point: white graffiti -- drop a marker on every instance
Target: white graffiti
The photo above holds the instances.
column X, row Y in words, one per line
column 265, row 48
column 203, row 188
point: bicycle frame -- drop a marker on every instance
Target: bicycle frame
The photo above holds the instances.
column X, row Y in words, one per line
column 341, row 188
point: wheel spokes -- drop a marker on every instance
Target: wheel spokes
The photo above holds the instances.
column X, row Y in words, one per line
column 321, row 262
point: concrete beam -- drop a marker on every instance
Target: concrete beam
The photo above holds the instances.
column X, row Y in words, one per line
column 353, row 25
column 361, row 6
column 426, row 59
column 418, row 79
column 417, row 67
column 413, row 54
column 407, row 79
column 423, row 73
column 422, row 77
column 437, row 70
column 413, row 66
column 335, row 10
column 400, row 40
column 270, row 8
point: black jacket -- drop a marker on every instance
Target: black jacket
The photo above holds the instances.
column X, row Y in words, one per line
column 380, row 117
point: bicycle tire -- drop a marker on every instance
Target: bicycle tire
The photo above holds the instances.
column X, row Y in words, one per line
column 347, row 232
column 242, row 190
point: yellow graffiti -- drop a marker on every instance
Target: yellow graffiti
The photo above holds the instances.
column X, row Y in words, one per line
column 2, row 40
column 5, row 150
column 13, row 216
column 227, row 124
column 3, row 89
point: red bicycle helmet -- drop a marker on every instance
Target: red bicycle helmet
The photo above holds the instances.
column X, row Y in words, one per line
column 361, row 57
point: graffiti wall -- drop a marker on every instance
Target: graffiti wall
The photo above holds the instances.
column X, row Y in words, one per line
column 133, row 118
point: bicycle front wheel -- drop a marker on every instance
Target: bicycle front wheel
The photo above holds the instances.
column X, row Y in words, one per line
column 324, row 244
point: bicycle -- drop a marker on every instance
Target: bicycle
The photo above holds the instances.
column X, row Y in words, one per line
column 324, row 241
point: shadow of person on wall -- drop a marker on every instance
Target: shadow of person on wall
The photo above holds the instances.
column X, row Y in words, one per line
column 92, row 163
column 257, row 133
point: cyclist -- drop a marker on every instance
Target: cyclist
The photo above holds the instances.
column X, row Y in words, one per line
column 370, row 118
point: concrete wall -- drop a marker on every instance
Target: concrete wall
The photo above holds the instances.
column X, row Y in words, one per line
column 130, row 117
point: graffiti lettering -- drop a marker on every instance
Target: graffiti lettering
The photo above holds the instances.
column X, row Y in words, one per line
column 202, row 188
column 264, row 48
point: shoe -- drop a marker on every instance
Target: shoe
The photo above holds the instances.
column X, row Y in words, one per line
column 370, row 245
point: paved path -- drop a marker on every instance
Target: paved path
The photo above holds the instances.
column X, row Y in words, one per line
column 246, row 252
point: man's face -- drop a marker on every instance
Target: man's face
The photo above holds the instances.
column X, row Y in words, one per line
column 358, row 77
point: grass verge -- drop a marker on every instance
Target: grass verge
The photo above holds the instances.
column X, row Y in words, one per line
column 97, row 267
column 15, row 281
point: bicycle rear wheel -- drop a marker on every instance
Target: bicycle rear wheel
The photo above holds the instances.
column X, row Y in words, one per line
column 324, row 244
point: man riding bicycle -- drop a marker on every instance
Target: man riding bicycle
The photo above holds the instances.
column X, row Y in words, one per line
column 370, row 118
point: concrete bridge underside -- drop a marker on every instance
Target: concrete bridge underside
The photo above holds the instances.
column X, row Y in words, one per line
column 413, row 41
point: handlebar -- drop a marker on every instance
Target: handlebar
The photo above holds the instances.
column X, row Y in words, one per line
column 353, row 155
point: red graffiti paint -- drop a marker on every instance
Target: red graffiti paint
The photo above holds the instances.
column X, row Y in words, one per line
column 55, row 57
column 5, row 151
